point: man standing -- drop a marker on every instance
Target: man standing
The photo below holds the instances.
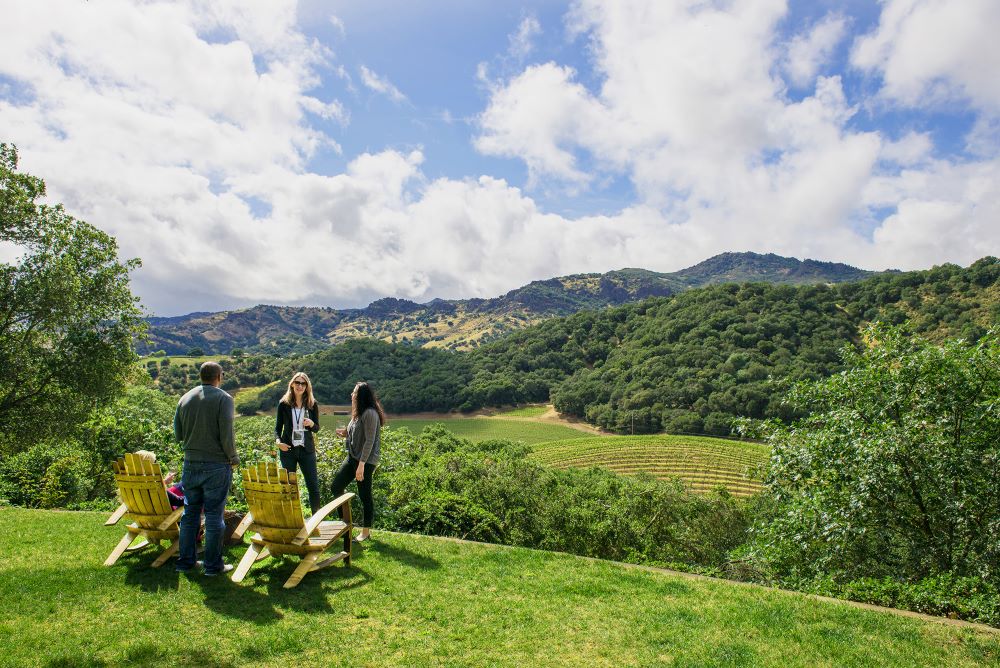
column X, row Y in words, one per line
column 204, row 424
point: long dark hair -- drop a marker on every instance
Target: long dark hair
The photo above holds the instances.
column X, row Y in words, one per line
column 362, row 399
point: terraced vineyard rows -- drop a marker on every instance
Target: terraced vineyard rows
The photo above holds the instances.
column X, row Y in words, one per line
column 701, row 462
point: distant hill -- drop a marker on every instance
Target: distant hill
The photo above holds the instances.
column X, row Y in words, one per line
column 465, row 324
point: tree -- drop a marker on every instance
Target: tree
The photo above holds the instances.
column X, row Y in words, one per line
column 896, row 470
column 67, row 316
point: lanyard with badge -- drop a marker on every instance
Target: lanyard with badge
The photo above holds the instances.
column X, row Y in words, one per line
column 298, row 430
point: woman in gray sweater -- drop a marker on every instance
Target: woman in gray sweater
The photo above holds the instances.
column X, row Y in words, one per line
column 363, row 445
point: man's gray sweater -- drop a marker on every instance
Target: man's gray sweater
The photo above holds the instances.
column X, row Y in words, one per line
column 204, row 424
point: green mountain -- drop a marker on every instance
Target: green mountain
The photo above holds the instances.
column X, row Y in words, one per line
column 466, row 324
column 687, row 363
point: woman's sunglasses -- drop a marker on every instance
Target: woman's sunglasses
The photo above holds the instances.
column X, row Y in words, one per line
column 298, row 382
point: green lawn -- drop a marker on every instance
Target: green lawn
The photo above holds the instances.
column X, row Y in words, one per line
column 414, row 601
column 525, row 411
column 702, row 462
column 485, row 428
column 178, row 360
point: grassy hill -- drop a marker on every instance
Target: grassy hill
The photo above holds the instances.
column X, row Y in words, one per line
column 465, row 324
column 489, row 428
column 414, row 601
column 701, row 462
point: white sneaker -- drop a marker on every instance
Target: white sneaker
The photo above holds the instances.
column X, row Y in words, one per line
column 226, row 568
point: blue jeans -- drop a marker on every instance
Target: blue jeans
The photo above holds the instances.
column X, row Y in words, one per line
column 206, row 486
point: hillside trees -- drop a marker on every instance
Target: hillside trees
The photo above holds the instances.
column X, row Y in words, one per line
column 407, row 379
column 67, row 316
column 895, row 471
column 696, row 361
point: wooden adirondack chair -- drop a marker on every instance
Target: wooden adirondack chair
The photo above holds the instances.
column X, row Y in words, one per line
column 276, row 515
column 144, row 501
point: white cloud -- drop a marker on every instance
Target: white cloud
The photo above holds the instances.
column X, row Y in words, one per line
column 381, row 84
column 911, row 149
column 338, row 23
column 933, row 51
column 807, row 53
column 188, row 129
column 522, row 40
column 534, row 117
column 690, row 110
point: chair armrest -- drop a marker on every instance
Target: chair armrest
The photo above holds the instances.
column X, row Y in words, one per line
column 320, row 515
column 171, row 518
column 244, row 524
column 117, row 515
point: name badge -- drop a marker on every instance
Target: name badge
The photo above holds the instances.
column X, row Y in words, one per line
column 298, row 437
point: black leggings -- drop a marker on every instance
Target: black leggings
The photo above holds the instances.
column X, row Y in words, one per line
column 307, row 462
column 344, row 476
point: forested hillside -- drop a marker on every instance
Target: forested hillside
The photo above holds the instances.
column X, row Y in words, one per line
column 466, row 324
column 692, row 362
column 688, row 363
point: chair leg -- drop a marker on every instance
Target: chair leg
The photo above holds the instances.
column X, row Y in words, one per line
column 307, row 564
column 167, row 553
column 247, row 561
column 141, row 545
column 347, row 545
column 242, row 527
column 119, row 549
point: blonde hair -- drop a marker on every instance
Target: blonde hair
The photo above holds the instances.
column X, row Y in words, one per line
column 307, row 397
column 146, row 454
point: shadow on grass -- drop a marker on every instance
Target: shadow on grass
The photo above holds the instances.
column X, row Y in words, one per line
column 146, row 654
column 400, row 554
column 151, row 580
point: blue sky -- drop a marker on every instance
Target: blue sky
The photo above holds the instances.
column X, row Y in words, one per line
column 331, row 153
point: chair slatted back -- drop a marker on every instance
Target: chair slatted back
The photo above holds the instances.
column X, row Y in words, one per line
column 272, row 495
column 140, row 486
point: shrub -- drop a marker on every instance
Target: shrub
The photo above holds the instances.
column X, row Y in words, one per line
column 894, row 472
column 492, row 492
column 46, row 475
column 972, row 599
column 254, row 399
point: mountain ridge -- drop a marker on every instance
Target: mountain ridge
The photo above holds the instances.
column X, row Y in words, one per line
column 467, row 323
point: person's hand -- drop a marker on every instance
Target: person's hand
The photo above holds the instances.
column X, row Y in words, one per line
column 284, row 447
column 169, row 478
column 359, row 475
column 341, row 431
column 307, row 423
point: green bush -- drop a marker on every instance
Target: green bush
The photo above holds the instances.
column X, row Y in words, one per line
column 893, row 472
column 46, row 475
column 66, row 481
column 254, row 399
column 76, row 470
column 971, row 599
column 491, row 491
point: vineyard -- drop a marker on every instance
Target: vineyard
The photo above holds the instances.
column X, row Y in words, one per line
column 702, row 463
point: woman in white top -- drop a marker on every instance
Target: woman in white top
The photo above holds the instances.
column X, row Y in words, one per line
column 363, row 450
